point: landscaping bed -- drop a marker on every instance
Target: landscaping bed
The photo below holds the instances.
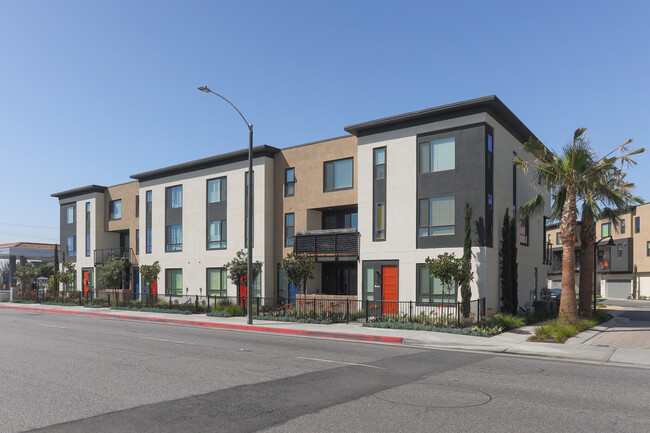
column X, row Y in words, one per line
column 554, row 331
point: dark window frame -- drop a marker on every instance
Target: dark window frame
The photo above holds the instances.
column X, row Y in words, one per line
column 333, row 163
column 111, row 209
column 223, row 242
column 290, row 192
column 429, row 160
column 224, row 279
column 137, row 242
column 74, row 214
column 169, row 194
column 148, row 235
column 72, row 253
column 647, row 248
column 223, row 189
column 637, row 224
column 524, row 238
column 429, row 225
column 137, row 206
column 622, row 226
column 169, row 247
column 444, row 297
column 378, row 234
column 168, row 289
column 602, row 230
column 289, row 239
column 376, row 166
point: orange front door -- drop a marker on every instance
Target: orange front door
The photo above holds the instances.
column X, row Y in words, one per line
column 389, row 290
column 86, row 282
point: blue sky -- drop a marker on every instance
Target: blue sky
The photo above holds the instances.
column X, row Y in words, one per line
column 92, row 92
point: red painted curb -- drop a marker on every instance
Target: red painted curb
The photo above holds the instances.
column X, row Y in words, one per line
column 320, row 334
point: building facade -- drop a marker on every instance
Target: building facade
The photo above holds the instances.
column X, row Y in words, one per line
column 370, row 206
column 615, row 263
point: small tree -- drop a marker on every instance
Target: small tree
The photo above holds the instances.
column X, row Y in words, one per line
column 25, row 274
column 465, row 291
column 150, row 273
column 45, row 271
column 298, row 268
column 111, row 275
column 451, row 272
column 67, row 275
column 237, row 268
column 508, row 266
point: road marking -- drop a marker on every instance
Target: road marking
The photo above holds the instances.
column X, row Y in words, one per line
column 54, row 326
column 163, row 340
column 341, row 362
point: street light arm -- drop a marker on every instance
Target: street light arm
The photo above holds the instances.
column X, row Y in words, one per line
column 207, row 90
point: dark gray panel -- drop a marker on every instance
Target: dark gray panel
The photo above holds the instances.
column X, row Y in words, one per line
column 68, row 230
column 625, row 262
column 216, row 211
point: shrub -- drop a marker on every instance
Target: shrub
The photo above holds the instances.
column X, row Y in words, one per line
column 558, row 331
column 295, row 319
column 505, row 321
column 218, row 313
column 473, row 330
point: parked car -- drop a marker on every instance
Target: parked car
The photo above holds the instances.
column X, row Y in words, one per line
column 556, row 294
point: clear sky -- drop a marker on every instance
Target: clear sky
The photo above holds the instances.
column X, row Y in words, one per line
column 92, row 92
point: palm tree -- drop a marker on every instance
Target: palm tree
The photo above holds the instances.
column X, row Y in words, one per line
column 568, row 177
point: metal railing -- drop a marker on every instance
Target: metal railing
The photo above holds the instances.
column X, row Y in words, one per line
column 103, row 255
column 328, row 245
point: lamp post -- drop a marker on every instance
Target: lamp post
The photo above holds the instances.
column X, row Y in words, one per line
column 249, row 217
column 609, row 244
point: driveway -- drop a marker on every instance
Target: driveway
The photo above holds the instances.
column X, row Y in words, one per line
column 631, row 325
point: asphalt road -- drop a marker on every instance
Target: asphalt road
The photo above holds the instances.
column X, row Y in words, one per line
column 64, row 373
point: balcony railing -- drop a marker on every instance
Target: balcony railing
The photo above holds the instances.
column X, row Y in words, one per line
column 103, row 255
column 328, row 245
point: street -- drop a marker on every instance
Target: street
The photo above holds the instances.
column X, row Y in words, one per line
column 66, row 373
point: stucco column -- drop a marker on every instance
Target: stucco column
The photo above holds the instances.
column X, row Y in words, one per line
column 12, row 271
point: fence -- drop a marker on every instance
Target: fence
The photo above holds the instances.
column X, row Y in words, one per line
column 337, row 310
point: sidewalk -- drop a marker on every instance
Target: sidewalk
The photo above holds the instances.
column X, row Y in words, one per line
column 608, row 343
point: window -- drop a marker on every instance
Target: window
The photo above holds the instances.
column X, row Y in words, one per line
column 338, row 174
column 217, row 190
column 647, row 248
column 87, row 229
column 523, row 233
column 148, row 240
column 289, row 182
column 637, row 224
column 71, row 242
column 606, row 230
column 174, row 238
column 379, row 229
column 174, row 197
column 148, row 194
column 619, row 250
column 70, row 214
column 430, row 289
column 558, row 239
column 490, row 152
column 437, row 216
column 137, row 206
column 289, row 228
column 622, row 226
column 217, row 239
column 438, row 155
column 174, row 282
column 216, row 282
column 87, row 245
column 137, row 241
column 115, row 210
column 380, row 163
column 72, row 287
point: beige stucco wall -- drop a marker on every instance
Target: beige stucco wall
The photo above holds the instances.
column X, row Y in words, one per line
column 127, row 193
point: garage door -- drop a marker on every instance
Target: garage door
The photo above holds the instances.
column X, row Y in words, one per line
column 619, row 288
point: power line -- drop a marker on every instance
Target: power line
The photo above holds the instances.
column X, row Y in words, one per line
column 26, row 225
column 28, row 236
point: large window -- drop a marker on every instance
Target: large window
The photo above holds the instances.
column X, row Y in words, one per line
column 339, row 174
column 148, row 194
column 438, row 155
column 115, row 210
column 174, row 197
column 216, row 282
column 379, row 229
column 437, row 216
column 605, row 230
column 71, row 243
column 70, row 214
column 174, row 282
column 289, row 228
column 174, row 238
column 217, row 239
column 289, row 182
column 430, row 289
column 380, row 163
column 217, row 190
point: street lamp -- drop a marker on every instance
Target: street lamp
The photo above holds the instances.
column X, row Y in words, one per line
column 249, row 217
column 609, row 244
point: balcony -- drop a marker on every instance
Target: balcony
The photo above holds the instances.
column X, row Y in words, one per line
column 103, row 255
column 329, row 245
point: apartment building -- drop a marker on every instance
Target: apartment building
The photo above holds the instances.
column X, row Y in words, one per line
column 615, row 263
column 370, row 207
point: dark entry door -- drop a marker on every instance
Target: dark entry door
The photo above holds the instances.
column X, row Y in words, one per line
column 389, row 282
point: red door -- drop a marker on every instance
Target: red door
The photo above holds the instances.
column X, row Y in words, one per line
column 242, row 292
column 86, row 281
column 389, row 290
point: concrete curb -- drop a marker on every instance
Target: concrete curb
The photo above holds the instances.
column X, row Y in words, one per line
column 254, row 328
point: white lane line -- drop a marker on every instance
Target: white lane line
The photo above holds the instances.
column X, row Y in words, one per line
column 341, row 362
column 54, row 326
column 165, row 341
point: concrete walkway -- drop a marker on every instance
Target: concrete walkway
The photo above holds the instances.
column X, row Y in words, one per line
column 624, row 340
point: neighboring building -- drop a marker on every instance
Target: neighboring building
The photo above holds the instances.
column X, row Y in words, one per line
column 615, row 264
column 21, row 253
column 370, row 207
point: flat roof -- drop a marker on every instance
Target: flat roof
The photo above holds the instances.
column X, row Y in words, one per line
column 209, row 162
column 79, row 191
column 490, row 104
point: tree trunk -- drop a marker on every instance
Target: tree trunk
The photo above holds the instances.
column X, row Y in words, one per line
column 587, row 240
column 568, row 306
